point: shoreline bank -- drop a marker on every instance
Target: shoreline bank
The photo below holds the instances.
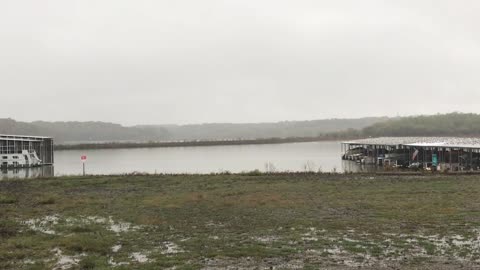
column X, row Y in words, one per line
column 252, row 174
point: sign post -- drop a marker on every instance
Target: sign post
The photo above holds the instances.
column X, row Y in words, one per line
column 84, row 159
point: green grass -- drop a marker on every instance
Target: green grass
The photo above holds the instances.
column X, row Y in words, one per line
column 7, row 199
column 284, row 220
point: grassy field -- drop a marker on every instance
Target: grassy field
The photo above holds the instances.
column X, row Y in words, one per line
column 290, row 221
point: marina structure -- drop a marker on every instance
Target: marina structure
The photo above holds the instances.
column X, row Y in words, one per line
column 18, row 151
column 429, row 153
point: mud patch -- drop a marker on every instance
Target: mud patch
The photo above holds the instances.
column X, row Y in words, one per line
column 139, row 257
column 116, row 248
column 112, row 262
column 65, row 262
column 248, row 263
column 266, row 239
column 43, row 225
column 47, row 224
column 171, row 248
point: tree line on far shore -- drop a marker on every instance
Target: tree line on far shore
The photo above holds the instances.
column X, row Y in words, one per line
column 84, row 135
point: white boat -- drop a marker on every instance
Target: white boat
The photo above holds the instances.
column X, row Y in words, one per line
column 18, row 160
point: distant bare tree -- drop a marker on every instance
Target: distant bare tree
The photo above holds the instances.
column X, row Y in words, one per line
column 309, row 166
column 270, row 168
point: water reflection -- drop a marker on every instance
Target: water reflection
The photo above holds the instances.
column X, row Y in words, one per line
column 354, row 167
column 292, row 157
column 35, row 172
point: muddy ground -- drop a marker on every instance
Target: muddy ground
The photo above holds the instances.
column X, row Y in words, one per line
column 250, row 221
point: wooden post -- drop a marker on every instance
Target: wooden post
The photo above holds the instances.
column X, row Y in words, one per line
column 458, row 159
column 471, row 160
column 450, row 158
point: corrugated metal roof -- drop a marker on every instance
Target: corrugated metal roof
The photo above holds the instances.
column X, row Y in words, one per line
column 10, row 136
column 452, row 142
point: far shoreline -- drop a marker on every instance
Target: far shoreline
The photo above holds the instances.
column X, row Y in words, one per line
column 202, row 143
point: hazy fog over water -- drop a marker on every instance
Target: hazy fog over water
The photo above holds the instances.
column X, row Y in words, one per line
column 186, row 61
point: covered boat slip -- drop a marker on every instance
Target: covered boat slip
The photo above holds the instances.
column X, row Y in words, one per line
column 431, row 153
column 25, row 151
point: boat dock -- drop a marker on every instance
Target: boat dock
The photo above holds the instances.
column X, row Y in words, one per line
column 429, row 153
column 18, row 151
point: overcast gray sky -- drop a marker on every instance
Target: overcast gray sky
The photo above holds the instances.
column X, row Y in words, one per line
column 190, row 61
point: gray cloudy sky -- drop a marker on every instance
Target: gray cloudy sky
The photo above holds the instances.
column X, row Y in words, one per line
column 190, row 61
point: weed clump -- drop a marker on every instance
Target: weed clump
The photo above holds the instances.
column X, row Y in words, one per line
column 6, row 199
column 47, row 201
column 253, row 173
column 92, row 243
column 93, row 262
column 7, row 229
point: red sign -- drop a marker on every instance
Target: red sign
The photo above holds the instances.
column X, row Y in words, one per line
column 84, row 158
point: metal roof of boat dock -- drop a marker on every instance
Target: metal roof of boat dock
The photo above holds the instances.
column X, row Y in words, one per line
column 11, row 137
column 452, row 142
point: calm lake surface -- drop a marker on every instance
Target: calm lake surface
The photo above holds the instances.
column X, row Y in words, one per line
column 324, row 156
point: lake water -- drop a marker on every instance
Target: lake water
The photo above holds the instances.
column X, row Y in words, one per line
column 324, row 156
